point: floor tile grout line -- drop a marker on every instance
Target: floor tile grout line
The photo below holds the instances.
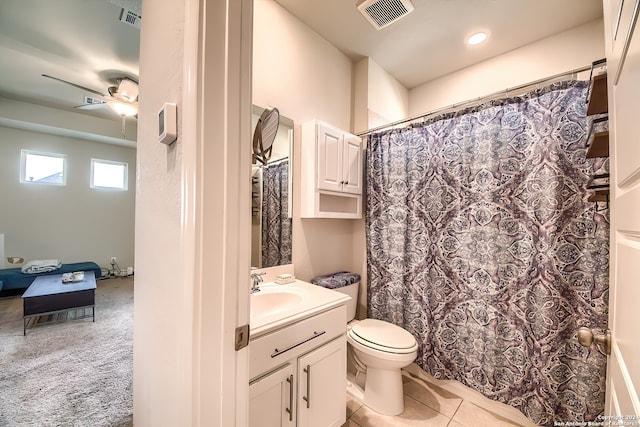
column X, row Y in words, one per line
column 458, row 408
column 450, row 418
column 426, row 384
column 456, row 411
column 359, row 408
column 425, row 405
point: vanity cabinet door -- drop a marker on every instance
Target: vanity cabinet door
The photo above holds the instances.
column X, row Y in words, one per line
column 272, row 399
column 322, row 385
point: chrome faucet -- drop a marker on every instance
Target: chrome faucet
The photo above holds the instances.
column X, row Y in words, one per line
column 256, row 279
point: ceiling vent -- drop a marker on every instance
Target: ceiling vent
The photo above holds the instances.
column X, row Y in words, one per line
column 129, row 17
column 381, row 13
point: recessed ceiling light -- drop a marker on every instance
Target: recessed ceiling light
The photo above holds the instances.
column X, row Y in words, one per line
column 476, row 38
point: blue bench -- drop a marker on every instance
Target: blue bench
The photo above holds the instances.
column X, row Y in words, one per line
column 14, row 278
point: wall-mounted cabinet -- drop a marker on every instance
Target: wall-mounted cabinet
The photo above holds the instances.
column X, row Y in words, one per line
column 331, row 173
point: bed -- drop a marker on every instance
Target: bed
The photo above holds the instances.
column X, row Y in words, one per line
column 14, row 278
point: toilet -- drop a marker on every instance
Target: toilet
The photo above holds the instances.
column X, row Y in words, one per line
column 379, row 349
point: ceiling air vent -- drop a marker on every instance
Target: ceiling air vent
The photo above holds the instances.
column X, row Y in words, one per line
column 131, row 18
column 381, row 13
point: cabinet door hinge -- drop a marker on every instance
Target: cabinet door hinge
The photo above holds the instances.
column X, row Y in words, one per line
column 242, row 337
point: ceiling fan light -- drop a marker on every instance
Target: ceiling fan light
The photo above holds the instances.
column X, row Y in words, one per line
column 123, row 109
column 128, row 89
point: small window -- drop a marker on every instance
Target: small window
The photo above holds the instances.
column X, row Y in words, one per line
column 43, row 168
column 108, row 174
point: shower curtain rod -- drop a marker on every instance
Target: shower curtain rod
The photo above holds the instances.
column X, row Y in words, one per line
column 481, row 99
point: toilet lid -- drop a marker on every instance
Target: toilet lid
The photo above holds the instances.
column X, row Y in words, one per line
column 383, row 334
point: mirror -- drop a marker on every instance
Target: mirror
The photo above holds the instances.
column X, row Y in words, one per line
column 264, row 135
column 270, row 193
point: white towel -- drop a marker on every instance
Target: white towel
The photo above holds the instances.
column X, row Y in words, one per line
column 41, row 266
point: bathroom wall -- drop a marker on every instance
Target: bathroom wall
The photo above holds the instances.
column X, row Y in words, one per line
column 378, row 97
column 563, row 52
column 297, row 70
column 305, row 77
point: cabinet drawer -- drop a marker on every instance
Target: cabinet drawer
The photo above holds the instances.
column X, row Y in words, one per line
column 276, row 348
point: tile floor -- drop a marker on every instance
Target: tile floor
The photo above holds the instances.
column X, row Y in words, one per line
column 425, row 405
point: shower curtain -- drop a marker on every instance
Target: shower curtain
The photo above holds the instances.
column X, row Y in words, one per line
column 482, row 244
column 276, row 226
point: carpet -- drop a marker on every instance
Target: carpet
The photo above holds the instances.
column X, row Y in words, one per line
column 69, row 373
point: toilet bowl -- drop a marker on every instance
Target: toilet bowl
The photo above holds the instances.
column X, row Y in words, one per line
column 382, row 349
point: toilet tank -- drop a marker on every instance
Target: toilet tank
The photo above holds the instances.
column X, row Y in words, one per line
column 352, row 304
column 345, row 282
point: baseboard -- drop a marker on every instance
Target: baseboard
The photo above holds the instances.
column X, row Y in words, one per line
column 501, row 409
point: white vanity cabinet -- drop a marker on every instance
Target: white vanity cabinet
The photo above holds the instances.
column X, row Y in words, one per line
column 298, row 373
column 272, row 399
column 331, row 172
column 322, row 385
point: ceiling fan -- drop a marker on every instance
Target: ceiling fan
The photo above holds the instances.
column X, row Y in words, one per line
column 122, row 98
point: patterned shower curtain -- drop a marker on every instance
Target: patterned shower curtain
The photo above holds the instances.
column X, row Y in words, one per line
column 482, row 244
column 276, row 226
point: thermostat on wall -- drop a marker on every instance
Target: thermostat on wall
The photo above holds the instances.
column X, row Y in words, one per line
column 167, row 123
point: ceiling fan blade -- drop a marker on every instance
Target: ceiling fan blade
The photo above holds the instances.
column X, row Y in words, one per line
column 121, row 108
column 96, row 106
column 74, row 85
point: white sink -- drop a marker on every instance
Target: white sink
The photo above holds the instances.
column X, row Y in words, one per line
column 275, row 305
column 274, row 300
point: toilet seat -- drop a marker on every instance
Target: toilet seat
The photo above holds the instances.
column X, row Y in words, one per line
column 383, row 336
